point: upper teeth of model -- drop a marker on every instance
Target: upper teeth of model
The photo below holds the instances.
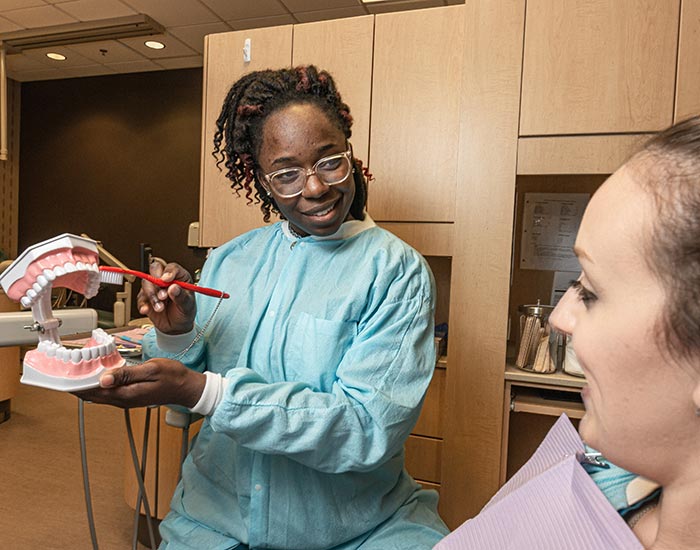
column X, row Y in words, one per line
column 45, row 281
column 105, row 346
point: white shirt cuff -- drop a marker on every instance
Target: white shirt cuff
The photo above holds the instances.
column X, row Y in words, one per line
column 212, row 395
column 175, row 343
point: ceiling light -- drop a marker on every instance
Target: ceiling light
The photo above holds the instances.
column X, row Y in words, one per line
column 56, row 56
column 78, row 33
column 154, row 44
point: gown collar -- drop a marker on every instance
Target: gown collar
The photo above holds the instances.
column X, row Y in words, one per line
column 348, row 229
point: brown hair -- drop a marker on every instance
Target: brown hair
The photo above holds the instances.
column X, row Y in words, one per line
column 673, row 179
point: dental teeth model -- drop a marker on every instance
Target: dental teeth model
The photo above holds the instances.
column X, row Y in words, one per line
column 65, row 261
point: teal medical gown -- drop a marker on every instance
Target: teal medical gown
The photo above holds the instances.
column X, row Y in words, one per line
column 327, row 346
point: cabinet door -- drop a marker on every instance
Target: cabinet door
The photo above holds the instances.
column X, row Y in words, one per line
column 414, row 133
column 222, row 214
column 343, row 47
column 598, row 66
column 688, row 84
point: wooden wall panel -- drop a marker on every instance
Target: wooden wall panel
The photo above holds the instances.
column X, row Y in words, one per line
column 9, row 176
column 688, row 85
column 490, row 97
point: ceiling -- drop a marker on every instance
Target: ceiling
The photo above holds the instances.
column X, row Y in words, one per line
column 186, row 22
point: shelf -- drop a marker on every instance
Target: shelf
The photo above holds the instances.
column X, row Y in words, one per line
column 558, row 379
column 536, row 404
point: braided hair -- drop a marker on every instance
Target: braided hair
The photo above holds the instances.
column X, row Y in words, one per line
column 254, row 97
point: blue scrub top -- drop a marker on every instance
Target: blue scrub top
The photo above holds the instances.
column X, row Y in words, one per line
column 327, row 346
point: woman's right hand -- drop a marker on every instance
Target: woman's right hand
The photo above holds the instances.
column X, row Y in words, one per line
column 172, row 309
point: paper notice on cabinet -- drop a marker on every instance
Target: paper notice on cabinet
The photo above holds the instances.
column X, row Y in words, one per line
column 550, row 224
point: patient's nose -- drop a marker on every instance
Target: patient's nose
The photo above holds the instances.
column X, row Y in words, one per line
column 563, row 318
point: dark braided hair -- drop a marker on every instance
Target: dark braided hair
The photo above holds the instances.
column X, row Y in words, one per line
column 250, row 101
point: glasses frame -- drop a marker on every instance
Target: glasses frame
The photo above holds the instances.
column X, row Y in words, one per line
column 309, row 172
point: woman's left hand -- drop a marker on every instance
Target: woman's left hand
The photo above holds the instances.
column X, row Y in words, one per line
column 155, row 382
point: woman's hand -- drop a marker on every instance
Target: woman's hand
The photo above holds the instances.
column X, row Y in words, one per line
column 155, row 382
column 172, row 309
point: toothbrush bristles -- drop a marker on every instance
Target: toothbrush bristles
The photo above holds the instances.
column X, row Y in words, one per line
column 111, row 277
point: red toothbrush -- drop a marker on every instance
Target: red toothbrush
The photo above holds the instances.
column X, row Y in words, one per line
column 115, row 276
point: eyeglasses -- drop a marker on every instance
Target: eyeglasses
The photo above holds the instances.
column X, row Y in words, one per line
column 331, row 170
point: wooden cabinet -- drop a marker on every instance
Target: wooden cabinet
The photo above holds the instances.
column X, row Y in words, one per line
column 414, row 142
column 343, row 47
column 222, row 215
column 598, row 66
column 688, row 85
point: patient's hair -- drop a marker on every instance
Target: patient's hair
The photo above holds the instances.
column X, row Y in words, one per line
column 671, row 164
column 249, row 102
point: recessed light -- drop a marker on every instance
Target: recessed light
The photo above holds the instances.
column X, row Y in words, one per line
column 154, row 45
column 56, row 56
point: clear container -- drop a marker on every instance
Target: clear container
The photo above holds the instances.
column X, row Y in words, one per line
column 537, row 347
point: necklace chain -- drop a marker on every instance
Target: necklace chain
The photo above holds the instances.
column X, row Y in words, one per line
column 293, row 232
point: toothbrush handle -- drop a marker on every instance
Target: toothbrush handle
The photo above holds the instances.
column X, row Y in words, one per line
column 163, row 284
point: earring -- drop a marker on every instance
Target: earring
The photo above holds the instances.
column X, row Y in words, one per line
column 697, row 412
column 268, row 193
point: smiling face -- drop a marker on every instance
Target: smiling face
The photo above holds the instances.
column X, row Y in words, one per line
column 639, row 406
column 298, row 136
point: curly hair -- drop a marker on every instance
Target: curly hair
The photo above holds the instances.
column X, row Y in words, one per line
column 670, row 163
column 253, row 98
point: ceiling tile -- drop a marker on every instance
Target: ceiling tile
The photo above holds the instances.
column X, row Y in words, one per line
column 43, row 74
column 9, row 26
column 89, row 10
column 87, row 70
column 404, row 5
column 134, row 66
column 318, row 5
column 41, row 16
column 193, row 35
column 174, row 14
column 261, row 22
column 173, row 47
column 21, row 62
column 180, row 62
column 18, row 4
column 338, row 13
column 116, row 52
column 245, row 9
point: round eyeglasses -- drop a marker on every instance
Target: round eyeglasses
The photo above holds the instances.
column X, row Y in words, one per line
column 331, row 170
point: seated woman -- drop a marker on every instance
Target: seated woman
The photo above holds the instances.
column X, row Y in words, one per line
column 634, row 321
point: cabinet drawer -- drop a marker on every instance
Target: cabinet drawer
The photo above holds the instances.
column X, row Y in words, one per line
column 430, row 420
column 423, row 458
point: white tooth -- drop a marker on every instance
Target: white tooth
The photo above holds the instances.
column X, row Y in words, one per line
column 69, row 267
column 80, row 266
column 37, row 288
column 85, row 352
column 43, row 281
column 59, row 271
column 102, row 350
column 49, row 274
column 75, row 355
column 42, row 346
column 26, row 302
column 95, row 268
column 51, row 351
column 111, row 347
column 31, row 293
column 63, row 354
column 94, row 353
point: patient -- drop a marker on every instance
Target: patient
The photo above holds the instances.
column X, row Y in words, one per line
column 634, row 321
